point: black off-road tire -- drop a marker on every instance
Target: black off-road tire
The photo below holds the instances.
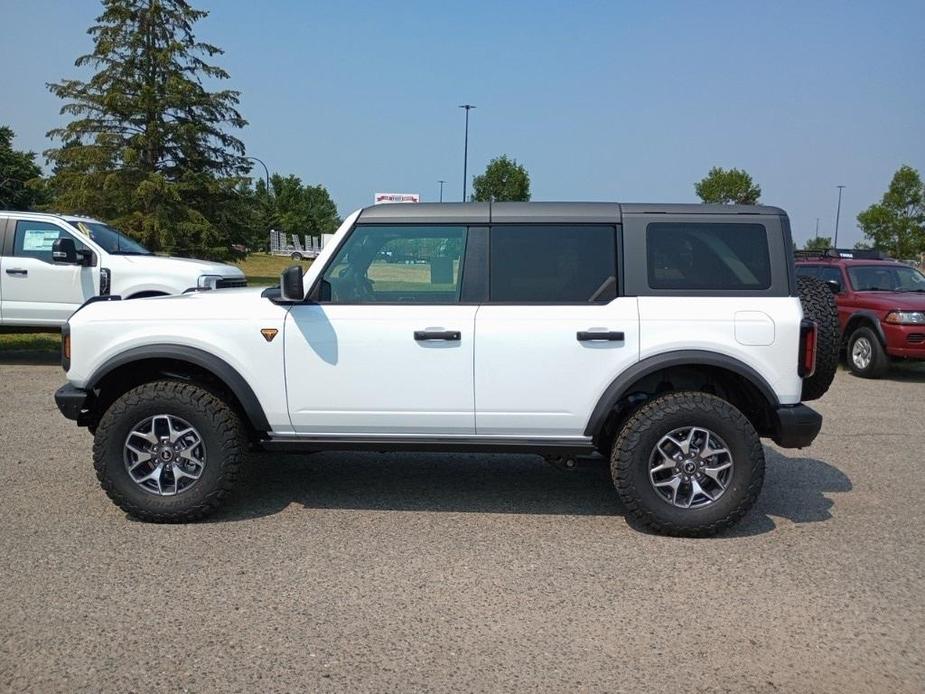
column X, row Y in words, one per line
column 879, row 361
column 629, row 463
column 819, row 305
column 222, row 433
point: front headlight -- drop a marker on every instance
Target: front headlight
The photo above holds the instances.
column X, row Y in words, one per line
column 208, row 281
column 905, row 318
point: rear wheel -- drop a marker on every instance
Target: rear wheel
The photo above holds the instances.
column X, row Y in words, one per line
column 866, row 356
column 168, row 451
column 819, row 306
column 688, row 464
column 296, row 256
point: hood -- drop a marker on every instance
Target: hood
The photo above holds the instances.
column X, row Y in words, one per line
column 164, row 263
column 906, row 301
column 216, row 304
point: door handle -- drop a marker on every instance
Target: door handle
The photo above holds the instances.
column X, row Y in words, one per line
column 600, row 336
column 17, row 271
column 448, row 335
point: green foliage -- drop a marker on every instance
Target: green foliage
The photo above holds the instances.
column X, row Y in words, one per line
column 148, row 147
column 504, row 179
column 819, row 243
column 732, row 186
column 20, row 185
column 897, row 223
column 293, row 208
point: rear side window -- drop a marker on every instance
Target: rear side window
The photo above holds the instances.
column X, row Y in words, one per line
column 807, row 270
column 707, row 256
column 553, row 264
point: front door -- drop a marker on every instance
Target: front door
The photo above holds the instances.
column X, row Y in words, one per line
column 388, row 347
column 35, row 290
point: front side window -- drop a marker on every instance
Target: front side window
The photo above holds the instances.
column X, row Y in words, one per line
column 830, row 274
column 707, row 256
column 403, row 264
column 807, row 270
column 553, row 264
column 34, row 239
column 886, row 278
column 111, row 240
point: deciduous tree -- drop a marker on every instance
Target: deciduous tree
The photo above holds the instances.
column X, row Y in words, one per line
column 897, row 223
column 504, row 179
column 728, row 186
column 19, row 175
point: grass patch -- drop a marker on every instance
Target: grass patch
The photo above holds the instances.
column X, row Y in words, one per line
column 30, row 342
column 262, row 269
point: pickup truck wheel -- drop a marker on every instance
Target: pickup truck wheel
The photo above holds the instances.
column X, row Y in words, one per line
column 168, row 452
column 866, row 356
column 819, row 305
column 687, row 464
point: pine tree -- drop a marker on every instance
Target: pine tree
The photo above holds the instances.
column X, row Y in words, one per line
column 148, row 147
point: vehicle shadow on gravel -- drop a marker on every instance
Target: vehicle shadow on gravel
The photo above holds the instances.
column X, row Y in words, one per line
column 795, row 488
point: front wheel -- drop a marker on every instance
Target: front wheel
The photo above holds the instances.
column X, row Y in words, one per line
column 168, row 451
column 688, row 464
column 866, row 356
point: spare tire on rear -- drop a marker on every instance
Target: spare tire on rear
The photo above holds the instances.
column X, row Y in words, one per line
column 819, row 306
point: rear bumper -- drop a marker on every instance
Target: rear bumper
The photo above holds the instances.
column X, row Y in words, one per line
column 70, row 401
column 795, row 426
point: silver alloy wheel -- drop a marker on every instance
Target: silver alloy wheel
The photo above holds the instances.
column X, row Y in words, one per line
column 164, row 455
column 690, row 467
column 861, row 352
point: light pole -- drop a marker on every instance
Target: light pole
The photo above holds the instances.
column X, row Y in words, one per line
column 265, row 170
column 837, row 215
column 441, row 182
column 468, row 108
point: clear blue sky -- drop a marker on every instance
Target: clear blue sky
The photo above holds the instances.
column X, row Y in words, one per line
column 601, row 101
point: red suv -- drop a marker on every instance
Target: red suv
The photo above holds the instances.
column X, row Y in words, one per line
column 881, row 305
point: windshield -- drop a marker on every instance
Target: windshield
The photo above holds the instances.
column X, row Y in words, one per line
column 886, row 278
column 111, row 240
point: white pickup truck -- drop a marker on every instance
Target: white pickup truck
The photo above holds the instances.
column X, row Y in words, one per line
column 51, row 264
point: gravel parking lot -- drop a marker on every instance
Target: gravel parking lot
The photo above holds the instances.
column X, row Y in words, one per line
column 417, row 572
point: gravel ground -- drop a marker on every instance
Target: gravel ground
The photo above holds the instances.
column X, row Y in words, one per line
column 420, row 572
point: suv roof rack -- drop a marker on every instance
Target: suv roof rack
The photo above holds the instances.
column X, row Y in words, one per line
column 849, row 253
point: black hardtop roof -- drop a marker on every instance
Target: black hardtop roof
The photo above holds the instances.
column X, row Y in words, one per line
column 542, row 212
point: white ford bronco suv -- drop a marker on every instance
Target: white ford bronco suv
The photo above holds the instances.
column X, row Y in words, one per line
column 51, row 264
column 668, row 338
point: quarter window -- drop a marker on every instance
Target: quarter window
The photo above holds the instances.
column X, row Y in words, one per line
column 406, row 264
column 707, row 256
column 34, row 239
column 553, row 264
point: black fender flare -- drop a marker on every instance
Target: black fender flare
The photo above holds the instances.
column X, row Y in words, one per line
column 197, row 357
column 866, row 316
column 688, row 357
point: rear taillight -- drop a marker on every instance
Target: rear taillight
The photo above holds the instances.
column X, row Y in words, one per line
column 807, row 359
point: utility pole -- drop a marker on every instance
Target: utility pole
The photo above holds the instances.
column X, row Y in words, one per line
column 441, row 182
column 817, row 227
column 468, row 108
column 837, row 215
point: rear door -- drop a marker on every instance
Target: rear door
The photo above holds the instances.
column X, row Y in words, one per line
column 36, row 291
column 554, row 333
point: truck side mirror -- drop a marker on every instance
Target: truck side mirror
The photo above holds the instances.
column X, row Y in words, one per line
column 290, row 284
column 64, row 251
column 834, row 285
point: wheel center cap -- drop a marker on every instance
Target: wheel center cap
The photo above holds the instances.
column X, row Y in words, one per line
column 166, row 455
column 689, row 467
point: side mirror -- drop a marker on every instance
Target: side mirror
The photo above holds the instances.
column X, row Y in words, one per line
column 290, row 284
column 834, row 285
column 64, row 251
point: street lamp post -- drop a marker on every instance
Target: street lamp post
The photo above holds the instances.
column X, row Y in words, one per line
column 265, row 170
column 441, row 182
column 468, row 108
column 837, row 215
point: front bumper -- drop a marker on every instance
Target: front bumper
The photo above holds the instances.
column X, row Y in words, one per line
column 905, row 341
column 70, row 401
column 795, row 426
